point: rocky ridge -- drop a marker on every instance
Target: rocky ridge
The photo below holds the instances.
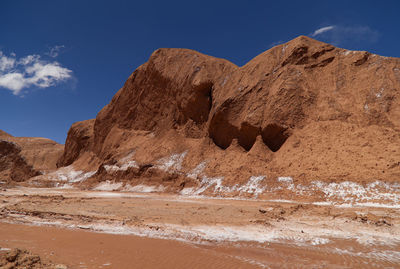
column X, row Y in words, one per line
column 24, row 157
column 303, row 110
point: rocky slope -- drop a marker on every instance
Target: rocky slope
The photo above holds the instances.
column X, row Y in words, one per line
column 25, row 157
column 304, row 109
column 13, row 166
column 80, row 137
column 22, row 259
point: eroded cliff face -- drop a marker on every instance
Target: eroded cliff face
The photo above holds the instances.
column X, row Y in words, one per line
column 25, row 157
column 172, row 89
column 304, row 109
column 13, row 167
column 79, row 140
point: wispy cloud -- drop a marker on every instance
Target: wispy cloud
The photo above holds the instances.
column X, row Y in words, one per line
column 323, row 30
column 55, row 51
column 6, row 62
column 346, row 35
column 17, row 74
column 276, row 43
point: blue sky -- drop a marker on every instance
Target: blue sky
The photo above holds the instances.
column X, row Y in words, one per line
column 62, row 61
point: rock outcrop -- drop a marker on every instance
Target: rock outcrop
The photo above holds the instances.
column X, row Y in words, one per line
column 303, row 109
column 22, row 259
column 79, row 139
column 13, row 167
column 25, row 157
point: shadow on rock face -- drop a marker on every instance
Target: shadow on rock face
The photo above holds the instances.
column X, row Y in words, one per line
column 222, row 133
column 274, row 136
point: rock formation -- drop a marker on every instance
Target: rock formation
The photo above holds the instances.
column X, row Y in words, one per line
column 12, row 165
column 25, row 157
column 79, row 140
column 303, row 109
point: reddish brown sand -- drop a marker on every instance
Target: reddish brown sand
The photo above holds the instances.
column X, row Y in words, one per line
column 357, row 237
column 83, row 249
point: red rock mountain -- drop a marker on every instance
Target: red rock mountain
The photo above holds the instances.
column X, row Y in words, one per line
column 25, row 157
column 303, row 109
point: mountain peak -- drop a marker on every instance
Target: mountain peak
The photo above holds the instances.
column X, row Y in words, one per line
column 4, row 134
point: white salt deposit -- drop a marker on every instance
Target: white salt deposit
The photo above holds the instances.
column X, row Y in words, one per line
column 197, row 171
column 172, row 163
column 319, row 241
column 284, row 48
column 108, row 186
column 253, row 186
column 345, row 193
column 123, row 167
column 127, row 158
column 352, row 192
column 230, row 233
column 339, row 194
column 123, row 164
column 206, row 183
column 69, row 174
column 187, row 191
column 378, row 205
column 107, row 194
column 292, row 232
column 323, row 203
column 285, row 179
column 143, row 188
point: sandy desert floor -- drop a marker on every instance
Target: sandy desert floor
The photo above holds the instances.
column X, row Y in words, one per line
column 108, row 229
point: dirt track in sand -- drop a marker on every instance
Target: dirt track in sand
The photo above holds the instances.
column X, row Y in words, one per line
column 216, row 233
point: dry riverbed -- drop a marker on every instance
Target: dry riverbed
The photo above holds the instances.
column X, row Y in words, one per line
column 98, row 229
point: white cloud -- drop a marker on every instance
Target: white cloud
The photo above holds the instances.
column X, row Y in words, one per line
column 353, row 35
column 276, row 43
column 18, row 74
column 12, row 81
column 6, row 62
column 29, row 59
column 55, row 51
column 323, row 30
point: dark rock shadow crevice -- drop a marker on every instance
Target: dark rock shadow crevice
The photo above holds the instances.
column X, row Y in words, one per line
column 247, row 135
column 274, row 136
column 199, row 105
column 223, row 133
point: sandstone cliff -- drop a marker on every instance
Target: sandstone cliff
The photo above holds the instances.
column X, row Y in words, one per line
column 304, row 109
column 13, row 166
column 24, row 157
column 78, row 141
